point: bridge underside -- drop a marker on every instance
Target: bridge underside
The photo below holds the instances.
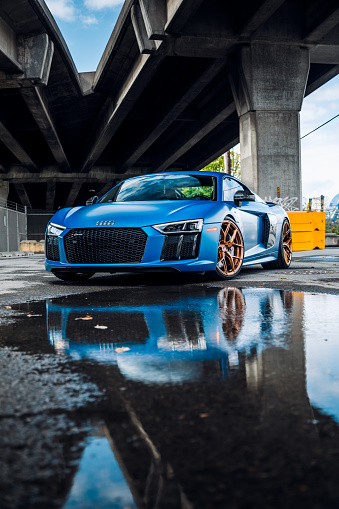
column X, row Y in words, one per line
column 179, row 83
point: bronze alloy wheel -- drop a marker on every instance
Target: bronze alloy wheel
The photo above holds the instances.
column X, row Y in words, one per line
column 287, row 242
column 230, row 250
column 232, row 311
column 284, row 258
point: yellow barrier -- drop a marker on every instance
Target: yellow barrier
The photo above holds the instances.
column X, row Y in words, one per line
column 308, row 230
column 32, row 246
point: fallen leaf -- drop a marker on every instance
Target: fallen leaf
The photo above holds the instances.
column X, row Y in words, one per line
column 100, row 327
column 122, row 349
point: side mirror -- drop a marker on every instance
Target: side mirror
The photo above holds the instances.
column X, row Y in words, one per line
column 93, row 200
column 244, row 195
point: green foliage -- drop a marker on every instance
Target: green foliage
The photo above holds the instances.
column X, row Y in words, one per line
column 331, row 227
column 190, row 192
column 219, row 165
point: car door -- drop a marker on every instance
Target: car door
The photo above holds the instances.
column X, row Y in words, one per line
column 251, row 216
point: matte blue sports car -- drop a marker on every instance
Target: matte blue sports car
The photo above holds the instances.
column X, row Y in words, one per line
column 187, row 222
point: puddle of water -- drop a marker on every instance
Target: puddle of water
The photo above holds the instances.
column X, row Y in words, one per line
column 175, row 341
column 318, row 258
column 231, row 395
column 321, row 333
column 99, row 481
column 195, row 338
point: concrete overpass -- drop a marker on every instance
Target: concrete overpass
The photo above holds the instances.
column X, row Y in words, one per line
column 179, row 83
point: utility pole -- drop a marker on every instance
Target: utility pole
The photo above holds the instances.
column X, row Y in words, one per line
column 227, row 159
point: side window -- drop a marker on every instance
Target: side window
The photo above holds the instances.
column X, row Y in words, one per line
column 230, row 187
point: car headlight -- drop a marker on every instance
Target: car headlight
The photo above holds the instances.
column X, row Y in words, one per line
column 55, row 229
column 191, row 226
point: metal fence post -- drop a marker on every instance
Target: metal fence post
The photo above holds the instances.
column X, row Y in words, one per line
column 25, row 223
column 7, row 229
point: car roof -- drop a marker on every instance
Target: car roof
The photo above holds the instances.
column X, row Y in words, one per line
column 182, row 172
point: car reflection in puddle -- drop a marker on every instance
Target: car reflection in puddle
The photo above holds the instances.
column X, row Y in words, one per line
column 177, row 341
column 230, row 394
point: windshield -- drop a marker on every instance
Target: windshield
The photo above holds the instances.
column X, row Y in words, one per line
column 164, row 187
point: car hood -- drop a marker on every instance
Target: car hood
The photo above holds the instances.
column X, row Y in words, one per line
column 137, row 214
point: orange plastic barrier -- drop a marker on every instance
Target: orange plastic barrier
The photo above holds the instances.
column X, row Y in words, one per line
column 308, row 230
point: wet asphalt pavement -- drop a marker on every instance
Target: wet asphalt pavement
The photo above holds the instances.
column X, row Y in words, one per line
column 170, row 391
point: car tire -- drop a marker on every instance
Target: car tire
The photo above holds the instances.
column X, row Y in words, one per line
column 230, row 251
column 73, row 276
column 285, row 249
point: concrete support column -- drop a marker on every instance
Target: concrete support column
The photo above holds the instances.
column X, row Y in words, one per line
column 4, row 190
column 268, row 84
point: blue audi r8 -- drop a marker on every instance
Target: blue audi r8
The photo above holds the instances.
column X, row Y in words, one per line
column 195, row 221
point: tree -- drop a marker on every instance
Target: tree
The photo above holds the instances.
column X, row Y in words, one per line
column 219, row 165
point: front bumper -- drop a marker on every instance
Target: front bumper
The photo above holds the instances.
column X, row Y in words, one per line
column 152, row 258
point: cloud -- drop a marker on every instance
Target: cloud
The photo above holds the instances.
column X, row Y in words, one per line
column 89, row 20
column 97, row 5
column 310, row 116
column 62, row 9
column 319, row 156
column 329, row 92
column 320, row 106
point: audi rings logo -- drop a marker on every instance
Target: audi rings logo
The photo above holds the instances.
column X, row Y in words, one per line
column 105, row 223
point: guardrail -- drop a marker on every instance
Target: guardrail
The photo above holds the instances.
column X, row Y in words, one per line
column 11, row 205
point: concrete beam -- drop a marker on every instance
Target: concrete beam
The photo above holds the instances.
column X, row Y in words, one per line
column 50, row 195
column 319, row 21
column 323, row 54
column 154, row 13
column 20, row 189
column 87, row 80
column 146, row 46
column 115, row 111
column 106, row 188
column 183, row 142
column 197, row 46
column 14, row 146
column 45, row 17
column 323, row 77
column 178, row 14
column 173, row 113
column 39, row 108
column 258, row 18
column 73, row 194
column 36, row 54
column 8, row 50
column 53, row 174
column 214, row 153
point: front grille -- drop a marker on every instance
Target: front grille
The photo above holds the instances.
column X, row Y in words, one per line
column 52, row 248
column 188, row 247
column 180, row 247
column 105, row 245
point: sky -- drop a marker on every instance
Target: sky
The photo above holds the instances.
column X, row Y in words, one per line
column 87, row 25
